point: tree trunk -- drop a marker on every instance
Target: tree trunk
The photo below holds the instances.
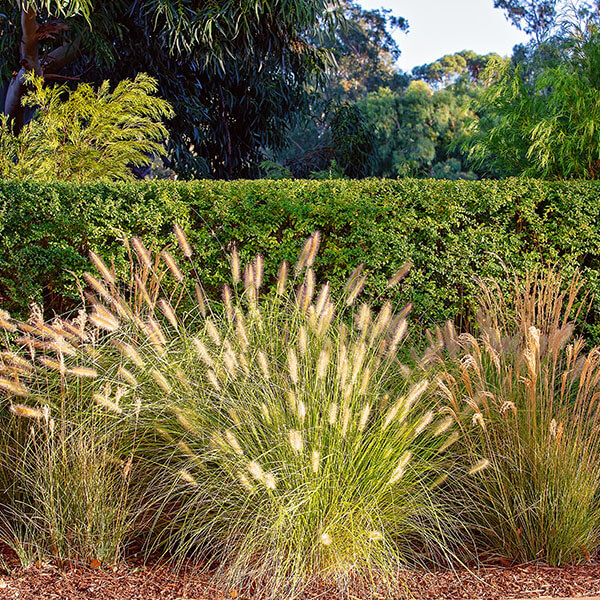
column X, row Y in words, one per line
column 53, row 62
column 30, row 61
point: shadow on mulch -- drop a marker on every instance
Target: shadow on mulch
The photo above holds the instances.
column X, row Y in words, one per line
column 133, row 581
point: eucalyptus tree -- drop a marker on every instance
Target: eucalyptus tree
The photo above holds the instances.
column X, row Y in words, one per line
column 233, row 70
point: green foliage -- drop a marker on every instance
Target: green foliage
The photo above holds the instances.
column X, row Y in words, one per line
column 526, row 389
column 415, row 130
column 449, row 230
column 85, row 134
column 234, row 71
column 465, row 65
column 542, row 122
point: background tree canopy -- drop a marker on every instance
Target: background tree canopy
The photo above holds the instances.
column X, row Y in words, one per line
column 307, row 88
column 232, row 70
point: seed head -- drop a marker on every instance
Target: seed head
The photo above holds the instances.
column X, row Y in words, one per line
column 400, row 274
column 84, row 372
column 295, row 439
column 203, row 353
column 183, row 242
column 102, row 268
column 172, row 266
column 282, row 278
column 27, row 412
column 424, row 422
column 479, row 466
column 168, row 311
column 142, row 252
column 326, row 539
column 315, row 459
column 161, row 381
column 323, row 363
column 364, row 417
column 293, row 365
column 401, row 468
column 333, row 412
column 263, row 363
column 232, row 441
column 235, row 266
column 200, row 298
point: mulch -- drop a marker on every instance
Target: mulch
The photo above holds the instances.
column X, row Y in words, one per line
column 159, row 582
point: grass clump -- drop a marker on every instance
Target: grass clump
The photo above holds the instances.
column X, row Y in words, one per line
column 280, row 436
column 527, row 391
column 65, row 464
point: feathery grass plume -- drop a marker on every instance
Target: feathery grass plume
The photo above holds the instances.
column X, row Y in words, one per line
column 106, row 273
column 85, row 372
column 200, row 299
column 227, row 301
column 172, row 266
column 14, row 388
column 183, row 241
column 259, row 271
column 531, row 498
column 27, row 412
column 234, row 261
column 282, row 278
column 168, row 311
column 290, row 411
column 400, row 274
column 142, row 252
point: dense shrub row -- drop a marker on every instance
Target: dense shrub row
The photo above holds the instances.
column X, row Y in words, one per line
column 451, row 231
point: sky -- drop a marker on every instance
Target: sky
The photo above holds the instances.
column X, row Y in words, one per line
column 439, row 27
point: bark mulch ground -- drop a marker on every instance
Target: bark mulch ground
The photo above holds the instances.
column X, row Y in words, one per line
column 159, row 582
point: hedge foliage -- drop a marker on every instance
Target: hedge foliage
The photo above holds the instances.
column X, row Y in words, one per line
column 451, row 231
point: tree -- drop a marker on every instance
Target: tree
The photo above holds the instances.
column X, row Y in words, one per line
column 85, row 134
column 366, row 52
column 466, row 65
column 416, row 130
column 545, row 125
column 233, row 71
column 534, row 17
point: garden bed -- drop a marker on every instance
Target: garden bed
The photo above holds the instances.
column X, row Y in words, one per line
column 152, row 582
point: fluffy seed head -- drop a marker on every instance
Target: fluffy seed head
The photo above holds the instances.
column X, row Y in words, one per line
column 235, row 266
column 168, row 311
column 400, row 274
column 401, row 468
column 364, row 417
column 129, row 352
column 263, row 364
column 315, row 459
column 142, row 252
column 326, row 539
column 323, row 363
column 183, row 242
column 200, row 298
column 479, row 466
column 233, row 442
column 203, row 353
column 27, row 412
column 161, row 381
column 282, row 278
column 293, row 365
column 172, row 265
column 301, row 410
column 102, row 268
column 425, row 420
column 332, row 414
column 84, row 372
column 295, row 439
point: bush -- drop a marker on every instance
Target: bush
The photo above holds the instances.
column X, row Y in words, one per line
column 527, row 391
column 450, row 231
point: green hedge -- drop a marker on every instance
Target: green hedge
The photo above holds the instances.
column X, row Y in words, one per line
column 451, row 231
